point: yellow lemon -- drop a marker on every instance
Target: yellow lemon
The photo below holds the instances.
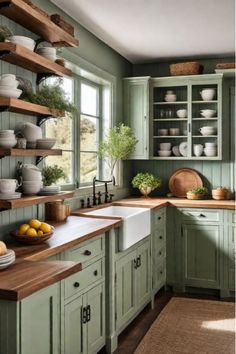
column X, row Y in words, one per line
column 35, row 223
column 3, row 248
column 23, row 229
column 45, row 227
column 40, row 233
column 31, row 232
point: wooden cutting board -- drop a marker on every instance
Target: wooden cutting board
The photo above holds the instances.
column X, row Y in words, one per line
column 183, row 180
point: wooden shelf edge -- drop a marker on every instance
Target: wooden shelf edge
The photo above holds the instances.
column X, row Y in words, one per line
column 24, row 107
column 33, row 200
column 30, row 152
column 15, row 53
column 21, row 12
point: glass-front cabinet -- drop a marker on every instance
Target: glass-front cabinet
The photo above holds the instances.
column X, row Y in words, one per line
column 186, row 117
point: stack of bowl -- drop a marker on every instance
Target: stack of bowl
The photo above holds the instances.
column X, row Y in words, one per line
column 7, row 139
column 165, row 149
column 7, row 259
column 26, row 42
column 31, row 179
column 49, row 53
column 210, row 149
column 8, row 86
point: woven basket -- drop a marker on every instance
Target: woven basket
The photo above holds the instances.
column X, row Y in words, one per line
column 189, row 68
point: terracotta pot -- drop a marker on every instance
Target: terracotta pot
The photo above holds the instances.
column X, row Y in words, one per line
column 145, row 191
column 219, row 194
column 56, row 211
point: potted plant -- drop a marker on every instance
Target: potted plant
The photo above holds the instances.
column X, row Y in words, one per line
column 197, row 193
column 146, row 182
column 4, row 33
column 51, row 174
column 119, row 143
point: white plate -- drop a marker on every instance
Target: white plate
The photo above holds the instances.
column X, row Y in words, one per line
column 8, row 260
column 3, row 266
column 9, row 254
column 175, row 150
column 183, row 148
column 5, row 196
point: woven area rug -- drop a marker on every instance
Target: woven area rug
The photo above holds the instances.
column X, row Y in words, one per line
column 191, row 326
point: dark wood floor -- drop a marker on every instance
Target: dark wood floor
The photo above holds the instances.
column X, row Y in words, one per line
column 130, row 338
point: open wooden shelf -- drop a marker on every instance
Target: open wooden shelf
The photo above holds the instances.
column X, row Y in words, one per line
column 30, row 152
column 24, row 107
column 33, row 200
column 17, row 54
column 21, row 12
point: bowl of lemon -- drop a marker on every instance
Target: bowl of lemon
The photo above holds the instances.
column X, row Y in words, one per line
column 33, row 232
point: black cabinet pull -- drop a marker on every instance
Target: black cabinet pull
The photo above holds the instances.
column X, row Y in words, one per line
column 160, row 237
column 95, row 273
column 88, row 315
column 87, row 253
column 202, row 216
column 135, row 264
column 139, row 261
column 76, row 284
column 84, row 315
column 160, row 253
column 161, row 272
column 159, row 217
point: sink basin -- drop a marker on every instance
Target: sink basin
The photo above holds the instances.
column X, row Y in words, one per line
column 135, row 226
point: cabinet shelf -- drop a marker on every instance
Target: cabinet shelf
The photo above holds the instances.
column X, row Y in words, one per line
column 169, row 136
column 169, row 103
column 24, row 14
column 204, row 136
column 215, row 118
column 170, row 119
column 204, row 102
column 24, row 107
column 33, row 200
column 30, row 152
column 17, row 54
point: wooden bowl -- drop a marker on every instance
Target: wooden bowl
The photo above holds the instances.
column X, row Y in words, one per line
column 31, row 240
column 195, row 196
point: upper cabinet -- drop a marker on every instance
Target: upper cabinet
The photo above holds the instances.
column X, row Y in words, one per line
column 136, row 113
column 176, row 118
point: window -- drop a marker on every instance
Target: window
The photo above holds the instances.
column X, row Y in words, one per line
column 62, row 130
column 90, row 127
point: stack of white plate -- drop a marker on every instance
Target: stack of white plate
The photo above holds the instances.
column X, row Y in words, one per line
column 7, row 139
column 7, row 259
column 49, row 53
column 26, row 42
column 50, row 190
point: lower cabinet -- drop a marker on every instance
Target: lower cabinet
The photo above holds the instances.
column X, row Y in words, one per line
column 31, row 325
column 231, row 255
column 201, row 255
column 85, row 322
column 133, row 283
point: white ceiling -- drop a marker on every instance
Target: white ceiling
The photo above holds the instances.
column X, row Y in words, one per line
column 150, row 30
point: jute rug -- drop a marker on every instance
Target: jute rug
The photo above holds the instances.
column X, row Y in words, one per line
column 190, row 326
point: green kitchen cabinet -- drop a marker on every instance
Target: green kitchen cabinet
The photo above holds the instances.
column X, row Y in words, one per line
column 201, row 255
column 84, row 323
column 229, row 252
column 232, row 232
column 31, row 325
column 136, row 113
column 143, row 274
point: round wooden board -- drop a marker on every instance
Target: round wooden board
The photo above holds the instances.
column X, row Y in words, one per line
column 183, row 180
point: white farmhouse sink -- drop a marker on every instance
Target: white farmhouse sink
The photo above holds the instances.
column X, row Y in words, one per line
column 135, row 226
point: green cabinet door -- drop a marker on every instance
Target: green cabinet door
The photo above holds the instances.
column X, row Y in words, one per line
column 136, row 113
column 231, row 256
column 96, row 323
column 74, row 335
column 40, row 322
column 143, row 274
column 201, row 252
column 125, row 269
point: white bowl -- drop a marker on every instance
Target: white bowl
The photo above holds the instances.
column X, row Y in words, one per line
column 208, row 94
column 210, row 152
column 165, row 146
column 9, row 84
column 208, row 130
column 10, row 92
column 162, row 132
column 26, row 42
column 164, row 153
column 7, row 143
column 210, row 145
column 49, row 56
column 45, row 143
column 208, row 113
column 170, row 97
column 174, row 131
column 31, row 190
column 29, row 174
column 181, row 113
column 32, row 183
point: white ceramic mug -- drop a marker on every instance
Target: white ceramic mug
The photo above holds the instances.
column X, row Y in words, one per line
column 8, row 186
column 197, row 149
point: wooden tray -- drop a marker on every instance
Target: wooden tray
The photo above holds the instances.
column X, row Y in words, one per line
column 183, row 180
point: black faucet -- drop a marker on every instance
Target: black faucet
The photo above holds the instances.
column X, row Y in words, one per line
column 106, row 189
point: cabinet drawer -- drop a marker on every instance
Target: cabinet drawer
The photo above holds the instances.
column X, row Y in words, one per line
column 81, row 280
column 86, row 252
column 202, row 215
column 159, row 217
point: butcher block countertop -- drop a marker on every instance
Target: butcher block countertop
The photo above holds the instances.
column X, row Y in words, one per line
column 66, row 235
column 23, row 278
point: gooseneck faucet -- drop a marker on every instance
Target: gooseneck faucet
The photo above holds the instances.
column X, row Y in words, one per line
column 106, row 188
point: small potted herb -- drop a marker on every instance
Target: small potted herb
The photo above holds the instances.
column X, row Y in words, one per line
column 197, row 193
column 51, row 174
column 146, row 182
column 4, row 33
